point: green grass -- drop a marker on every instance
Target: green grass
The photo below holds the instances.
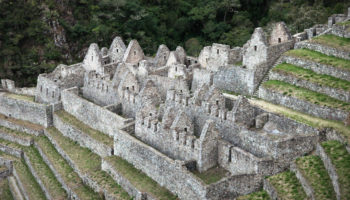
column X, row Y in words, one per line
column 261, row 195
column 20, row 97
column 316, row 174
column 307, row 95
column 29, row 183
column 45, row 174
column 14, row 133
column 212, row 175
column 67, row 173
column 139, row 179
column 287, row 186
column 309, row 75
column 97, row 135
column 42, row 170
column 320, row 58
column 89, row 163
column 341, row 160
column 337, row 42
column 5, row 192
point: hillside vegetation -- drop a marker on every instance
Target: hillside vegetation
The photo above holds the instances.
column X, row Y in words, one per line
column 36, row 35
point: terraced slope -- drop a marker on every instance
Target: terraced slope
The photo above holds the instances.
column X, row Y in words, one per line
column 312, row 82
column 39, row 169
column 316, row 175
column 340, row 159
column 287, row 186
column 87, row 163
column 66, row 173
column 139, row 179
column 5, row 192
column 30, row 185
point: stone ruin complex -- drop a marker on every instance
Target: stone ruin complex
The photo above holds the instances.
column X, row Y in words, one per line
column 170, row 116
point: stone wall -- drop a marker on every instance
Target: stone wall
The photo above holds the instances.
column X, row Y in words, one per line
column 82, row 138
column 173, row 175
column 9, row 85
column 97, row 117
column 236, row 79
column 17, row 127
column 201, row 76
column 341, row 31
column 336, row 93
column 323, row 49
column 303, row 106
column 318, row 68
column 18, row 140
column 11, row 151
column 26, row 110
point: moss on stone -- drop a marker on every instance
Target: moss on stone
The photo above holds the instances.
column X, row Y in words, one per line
column 261, row 195
column 5, row 192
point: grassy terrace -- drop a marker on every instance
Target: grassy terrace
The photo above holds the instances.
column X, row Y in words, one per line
column 261, row 195
column 21, row 122
column 307, row 95
column 337, row 42
column 212, row 175
column 88, row 163
column 97, row 135
column 319, row 58
column 314, row 171
column 139, row 179
column 287, row 186
column 341, row 160
column 5, row 192
column 14, row 133
column 45, row 174
column 311, row 76
column 29, row 183
column 67, row 173
column 43, row 171
column 20, row 97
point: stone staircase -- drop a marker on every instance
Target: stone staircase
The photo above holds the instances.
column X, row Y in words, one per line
column 309, row 81
column 324, row 175
column 266, row 77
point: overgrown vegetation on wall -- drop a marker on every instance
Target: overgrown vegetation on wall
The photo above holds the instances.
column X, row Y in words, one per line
column 36, row 35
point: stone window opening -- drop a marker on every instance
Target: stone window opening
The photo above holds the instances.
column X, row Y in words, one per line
column 217, row 102
column 229, row 155
column 96, row 75
column 107, row 88
column 217, row 51
column 150, row 114
column 195, row 61
column 185, row 129
column 127, row 88
column 134, row 53
column 133, row 88
column 92, row 58
column 176, row 69
column 255, row 48
column 53, row 94
column 41, row 88
column 105, row 62
column 192, row 145
column 117, row 50
column 180, row 91
column 279, row 40
column 177, row 136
